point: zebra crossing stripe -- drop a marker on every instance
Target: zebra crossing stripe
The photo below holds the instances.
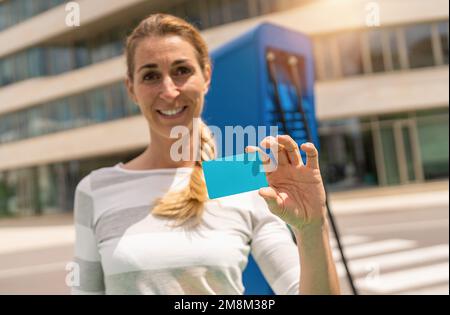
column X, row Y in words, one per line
column 349, row 240
column 405, row 280
column 400, row 259
column 374, row 248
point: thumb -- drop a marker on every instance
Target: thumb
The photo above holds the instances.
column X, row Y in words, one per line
column 273, row 201
column 268, row 193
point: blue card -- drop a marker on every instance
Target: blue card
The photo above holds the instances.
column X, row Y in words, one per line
column 234, row 175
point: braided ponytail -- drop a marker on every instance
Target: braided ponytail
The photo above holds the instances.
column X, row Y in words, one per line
column 187, row 204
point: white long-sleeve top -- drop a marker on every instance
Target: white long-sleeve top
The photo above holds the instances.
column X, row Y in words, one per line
column 121, row 248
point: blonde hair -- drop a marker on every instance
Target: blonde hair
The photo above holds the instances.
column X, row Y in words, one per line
column 185, row 205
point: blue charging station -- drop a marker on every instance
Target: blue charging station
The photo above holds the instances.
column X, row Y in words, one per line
column 264, row 77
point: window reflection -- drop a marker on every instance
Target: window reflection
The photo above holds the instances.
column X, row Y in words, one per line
column 443, row 37
column 48, row 188
column 394, row 48
column 215, row 12
column 99, row 105
column 239, row 9
column 418, row 41
column 376, row 51
column 350, row 53
column 390, row 48
column 81, row 53
column 435, row 153
column 15, row 11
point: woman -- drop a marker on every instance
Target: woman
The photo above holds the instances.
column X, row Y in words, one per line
column 147, row 226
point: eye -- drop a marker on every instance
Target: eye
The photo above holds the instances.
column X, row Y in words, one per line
column 151, row 76
column 183, row 70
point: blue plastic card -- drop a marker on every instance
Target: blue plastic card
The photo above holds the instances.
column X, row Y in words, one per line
column 234, row 175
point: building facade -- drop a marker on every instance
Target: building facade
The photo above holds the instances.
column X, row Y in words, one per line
column 381, row 91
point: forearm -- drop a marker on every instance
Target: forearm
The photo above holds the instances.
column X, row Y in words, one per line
column 318, row 270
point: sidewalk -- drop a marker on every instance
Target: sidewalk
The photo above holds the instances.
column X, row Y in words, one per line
column 397, row 198
column 35, row 233
column 57, row 229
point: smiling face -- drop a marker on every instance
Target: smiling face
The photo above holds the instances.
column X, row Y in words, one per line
column 168, row 82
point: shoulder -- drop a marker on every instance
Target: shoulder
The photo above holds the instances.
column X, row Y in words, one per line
column 85, row 197
column 89, row 183
column 105, row 177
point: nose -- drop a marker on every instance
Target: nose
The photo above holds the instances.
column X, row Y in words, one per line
column 169, row 90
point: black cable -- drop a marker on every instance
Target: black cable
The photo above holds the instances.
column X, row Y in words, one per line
column 297, row 84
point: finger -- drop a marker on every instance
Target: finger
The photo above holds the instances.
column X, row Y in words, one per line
column 292, row 150
column 276, row 148
column 263, row 155
column 268, row 164
column 272, row 199
column 269, row 194
column 312, row 155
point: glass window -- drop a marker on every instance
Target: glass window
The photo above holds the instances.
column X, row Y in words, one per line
column 5, row 127
column 116, row 102
column 347, row 152
column 47, row 60
column 418, row 41
column 81, row 55
column 12, row 133
column 350, row 52
column 35, row 121
column 267, row 6
column 22, row 125
column 8, row 70
column 193, row 12
column 435, row 152
column 111, row 50
column 376, row 51
column 95, row 53
column 239, row 9
column 443, row 34
column 28, row 8
column 326, row 58
column 394, row 48
column 65, row 115
column 67, row 58
column 50, row 56
column 2, row 75
column 98, row 106
column 36, row 62
column 53, row 119
column 215, row 12
column 131, row 107
column 63, row 61
column 2, row 15
column 42, row 6
column 81, row 109
column 2, row 127
column 15, row 12
column 21, row 66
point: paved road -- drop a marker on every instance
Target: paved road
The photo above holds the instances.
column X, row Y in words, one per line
column 401, row 252
column 390, row 252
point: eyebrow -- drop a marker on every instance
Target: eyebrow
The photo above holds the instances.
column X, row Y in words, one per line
column 154, row 65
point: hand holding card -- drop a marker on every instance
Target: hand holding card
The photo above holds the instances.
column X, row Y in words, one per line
column 234, row 175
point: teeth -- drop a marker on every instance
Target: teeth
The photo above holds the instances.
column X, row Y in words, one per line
column 172, row 111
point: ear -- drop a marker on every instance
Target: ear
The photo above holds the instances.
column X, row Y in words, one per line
column 207, row 73
column 130, row 89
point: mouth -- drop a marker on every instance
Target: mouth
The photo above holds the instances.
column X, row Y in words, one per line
column 172, row 113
